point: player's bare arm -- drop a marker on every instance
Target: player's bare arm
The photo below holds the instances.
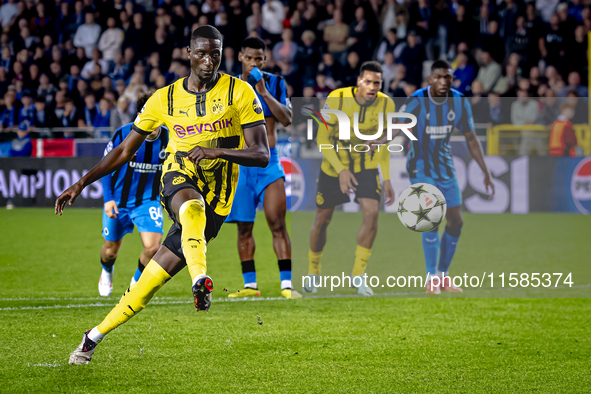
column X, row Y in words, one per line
column 279, row 111
column 256, row 155
column 476, row 153
column 114, row 160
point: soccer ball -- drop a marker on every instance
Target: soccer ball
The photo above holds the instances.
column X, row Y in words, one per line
column 421, row 207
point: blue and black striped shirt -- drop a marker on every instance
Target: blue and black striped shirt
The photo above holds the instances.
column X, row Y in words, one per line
column 138, row 181
column 436, row 120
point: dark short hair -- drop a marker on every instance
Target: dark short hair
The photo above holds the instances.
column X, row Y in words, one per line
column 206, row 31
column 141, row 101
column 372, row 66
column 254, row 43
column 439, row 64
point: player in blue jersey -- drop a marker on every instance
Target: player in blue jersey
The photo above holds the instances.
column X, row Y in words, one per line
column 132, row 198
column 266, row 185
column 439, row 110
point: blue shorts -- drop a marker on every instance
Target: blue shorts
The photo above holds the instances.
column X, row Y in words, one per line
column 252, row 183
column 147, row 218
column 449, row 188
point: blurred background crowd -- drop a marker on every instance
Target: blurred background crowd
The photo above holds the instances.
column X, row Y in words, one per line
column 83, row 63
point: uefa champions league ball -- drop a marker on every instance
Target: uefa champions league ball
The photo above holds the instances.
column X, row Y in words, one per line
column 421, row 207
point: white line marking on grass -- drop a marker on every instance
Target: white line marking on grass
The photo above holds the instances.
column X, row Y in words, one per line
column 157, row 302
column 178, row 300
column 44, row 365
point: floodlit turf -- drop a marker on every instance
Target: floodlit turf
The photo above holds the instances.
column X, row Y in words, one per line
column 48, row 295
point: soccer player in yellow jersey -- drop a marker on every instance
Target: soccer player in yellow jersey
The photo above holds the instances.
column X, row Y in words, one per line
column 210, row 116
column 344, row 171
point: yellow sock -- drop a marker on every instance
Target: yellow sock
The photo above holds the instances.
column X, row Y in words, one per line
column 192, row 218
column 134, row 300
column 314, row 262
column 361, row 257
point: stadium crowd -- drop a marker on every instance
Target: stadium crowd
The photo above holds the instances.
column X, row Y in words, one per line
column 83, row 63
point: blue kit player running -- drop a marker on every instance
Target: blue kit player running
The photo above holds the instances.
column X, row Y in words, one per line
column 264, row 185
column 439, row 110
column 132, row 198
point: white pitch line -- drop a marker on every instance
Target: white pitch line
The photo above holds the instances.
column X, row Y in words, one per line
column 175, row 300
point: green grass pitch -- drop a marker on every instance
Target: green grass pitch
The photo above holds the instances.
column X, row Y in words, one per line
column 337, row 342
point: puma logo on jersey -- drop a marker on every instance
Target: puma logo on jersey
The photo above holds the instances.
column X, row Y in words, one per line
column 183, row 112
column 178, row 180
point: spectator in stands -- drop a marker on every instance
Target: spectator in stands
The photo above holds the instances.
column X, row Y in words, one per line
column 351, row 70
column 525, row 111
column 574, row 84
column 321, row 89
column 32, row 81
column 423, row 22
column 330, row 68
column 46, row 90
column 460, row 30
column 27, row 110
column 102, row 120
column 389, row 44
column 44, row 116
column 229, row 64
column 136, row 37
column 507, row 18
column 90, row 110
column 307, row 58
column 7, row 13
column 479, row 104
column 490, row 71
column 412, row 57
column 567, row 22
column 388, row 70
column 284, row 52
column 120, row 115
column 273, row 15
column 464, row 74
column 496, row 110
column 552, row 44
column 89, row 68
column 388, row 17
column 507, row 84
column 397, row 86
column 546, row 8
column 581, row 115
column 359, row 32
column 336, row 36
column 9, row 117
column 254, row 21
column 71, row 117
column 562, row 135
column 87, row 35
column 554, row 79
column 6, row 60
column 551, row 109
column 111, row 39
column 21, row 145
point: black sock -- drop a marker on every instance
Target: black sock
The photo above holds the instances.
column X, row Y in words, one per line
column 284, row 269
column 140, row 266
column 249, row 273
column 108, row 266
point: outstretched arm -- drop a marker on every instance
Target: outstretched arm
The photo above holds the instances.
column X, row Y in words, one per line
column 111, row 162
column 476, row 152
column 255, row 155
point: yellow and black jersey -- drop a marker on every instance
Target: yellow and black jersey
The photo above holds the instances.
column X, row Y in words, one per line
column 335, row 160
column 213, row 119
